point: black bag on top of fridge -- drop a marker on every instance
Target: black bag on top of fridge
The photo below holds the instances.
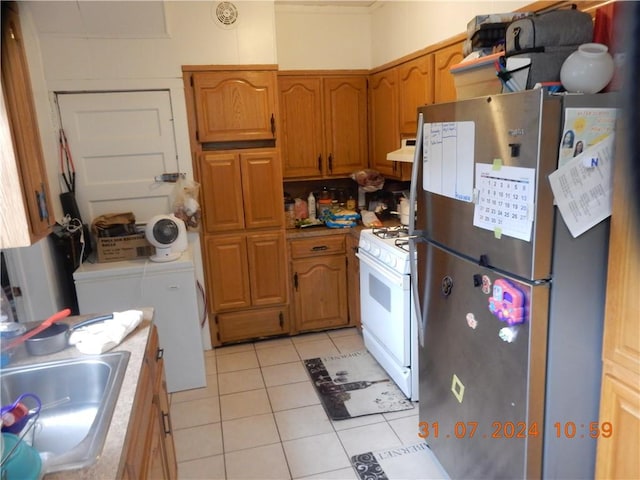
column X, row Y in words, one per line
column 547, row 39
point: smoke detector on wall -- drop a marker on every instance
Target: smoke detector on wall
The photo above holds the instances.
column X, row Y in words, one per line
column 225, row 14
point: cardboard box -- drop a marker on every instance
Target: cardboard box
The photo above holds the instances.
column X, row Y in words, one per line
column 129, row 247
column 476, row 78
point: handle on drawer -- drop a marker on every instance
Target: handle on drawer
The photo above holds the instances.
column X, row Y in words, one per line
column 166, row 423
column 319, row 248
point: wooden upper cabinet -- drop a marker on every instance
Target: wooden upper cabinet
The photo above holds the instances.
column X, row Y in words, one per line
column 415, row 89
column 345, row 124
column 235, row 105
column 324, row 123
column 383, row 121
column 302, row 126
column 243, row 190
column 444, row 87
column 33, row 187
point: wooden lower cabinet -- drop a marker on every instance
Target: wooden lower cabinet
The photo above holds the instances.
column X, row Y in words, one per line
column 247, row 285
column 319, row 283
column 617, row 455
column 150, row 450
column 246, row 270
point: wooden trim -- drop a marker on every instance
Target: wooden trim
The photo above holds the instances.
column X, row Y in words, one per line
column 323, row 73
column 222, row 68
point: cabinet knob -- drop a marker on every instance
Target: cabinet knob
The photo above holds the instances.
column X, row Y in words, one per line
column 331, row 163
column 320, row 163
column 273, row 125
column 159, row 354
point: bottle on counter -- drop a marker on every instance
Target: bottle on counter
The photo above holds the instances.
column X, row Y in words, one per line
column 351, row 203
column 311, row 206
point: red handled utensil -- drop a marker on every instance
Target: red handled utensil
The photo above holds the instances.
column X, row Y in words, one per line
column 46, row 324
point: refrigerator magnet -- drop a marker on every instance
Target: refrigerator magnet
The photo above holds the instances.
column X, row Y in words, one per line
column 471, row 320
column 457, row 388
column 508, row 334
column 507, row 303
column 486, row 284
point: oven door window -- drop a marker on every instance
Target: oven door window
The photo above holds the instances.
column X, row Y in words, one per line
column 385, row 303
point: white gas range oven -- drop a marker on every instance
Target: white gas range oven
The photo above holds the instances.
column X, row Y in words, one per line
column 389, row 323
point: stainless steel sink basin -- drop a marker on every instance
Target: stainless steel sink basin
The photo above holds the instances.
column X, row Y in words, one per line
column 78, row 399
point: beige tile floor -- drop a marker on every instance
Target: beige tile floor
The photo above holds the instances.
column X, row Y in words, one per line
column 260, row 418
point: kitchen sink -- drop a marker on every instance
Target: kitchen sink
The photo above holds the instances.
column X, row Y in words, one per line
column 78, row 399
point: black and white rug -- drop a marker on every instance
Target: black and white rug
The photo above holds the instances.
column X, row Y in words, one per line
column 354, row 384
column 409, row 462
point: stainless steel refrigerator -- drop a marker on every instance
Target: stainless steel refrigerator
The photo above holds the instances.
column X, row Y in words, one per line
column 511, row 305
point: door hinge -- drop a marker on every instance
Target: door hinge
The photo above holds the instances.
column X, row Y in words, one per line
column 159, row 354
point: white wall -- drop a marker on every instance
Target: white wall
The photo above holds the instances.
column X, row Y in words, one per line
column 338, row 36
column 323, row 37
column 402, row 27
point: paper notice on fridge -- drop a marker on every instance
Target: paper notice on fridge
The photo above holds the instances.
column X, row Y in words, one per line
column 505, row 199
column 583, row 128
column 448, row 156
column 582, row 187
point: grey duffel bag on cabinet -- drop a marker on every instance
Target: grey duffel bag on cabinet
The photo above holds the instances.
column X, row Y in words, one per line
column 547, row 39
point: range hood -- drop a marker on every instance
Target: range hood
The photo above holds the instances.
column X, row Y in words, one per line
column 405, row 153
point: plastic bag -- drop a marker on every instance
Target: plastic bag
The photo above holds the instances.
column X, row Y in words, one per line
column 185, row 203
column 369, row 180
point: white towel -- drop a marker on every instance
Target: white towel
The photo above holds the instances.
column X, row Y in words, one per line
column 102, row 337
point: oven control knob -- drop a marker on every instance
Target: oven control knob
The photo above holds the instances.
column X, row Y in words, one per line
column 386, row 258
column 392, row 261
column 375, row 251
column 365, row 245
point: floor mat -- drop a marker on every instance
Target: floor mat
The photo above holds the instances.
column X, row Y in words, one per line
column 354, row 384
column 409, row 462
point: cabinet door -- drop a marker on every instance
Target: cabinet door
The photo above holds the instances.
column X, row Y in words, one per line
column 23, row 123
column 301, row 124
column 262, row 189
column 345, row 120
column 383, row 123
column 235, row 105
column 220, row 173
column 319, row 286
column 227, row 272
column 267, row 266
column 166, row 447
column 444, row 86
column 415, row 87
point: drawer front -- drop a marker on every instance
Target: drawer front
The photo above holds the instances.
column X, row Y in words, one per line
column 312, row 247
column 252, row 324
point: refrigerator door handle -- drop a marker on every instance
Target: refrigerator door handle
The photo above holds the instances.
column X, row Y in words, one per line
column 415, row 166
column 415, row 291
column 413, row 193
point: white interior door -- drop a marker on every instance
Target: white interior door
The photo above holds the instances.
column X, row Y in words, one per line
column 120, row 141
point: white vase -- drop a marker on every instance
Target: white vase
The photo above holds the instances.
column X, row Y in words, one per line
column 587, row 70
